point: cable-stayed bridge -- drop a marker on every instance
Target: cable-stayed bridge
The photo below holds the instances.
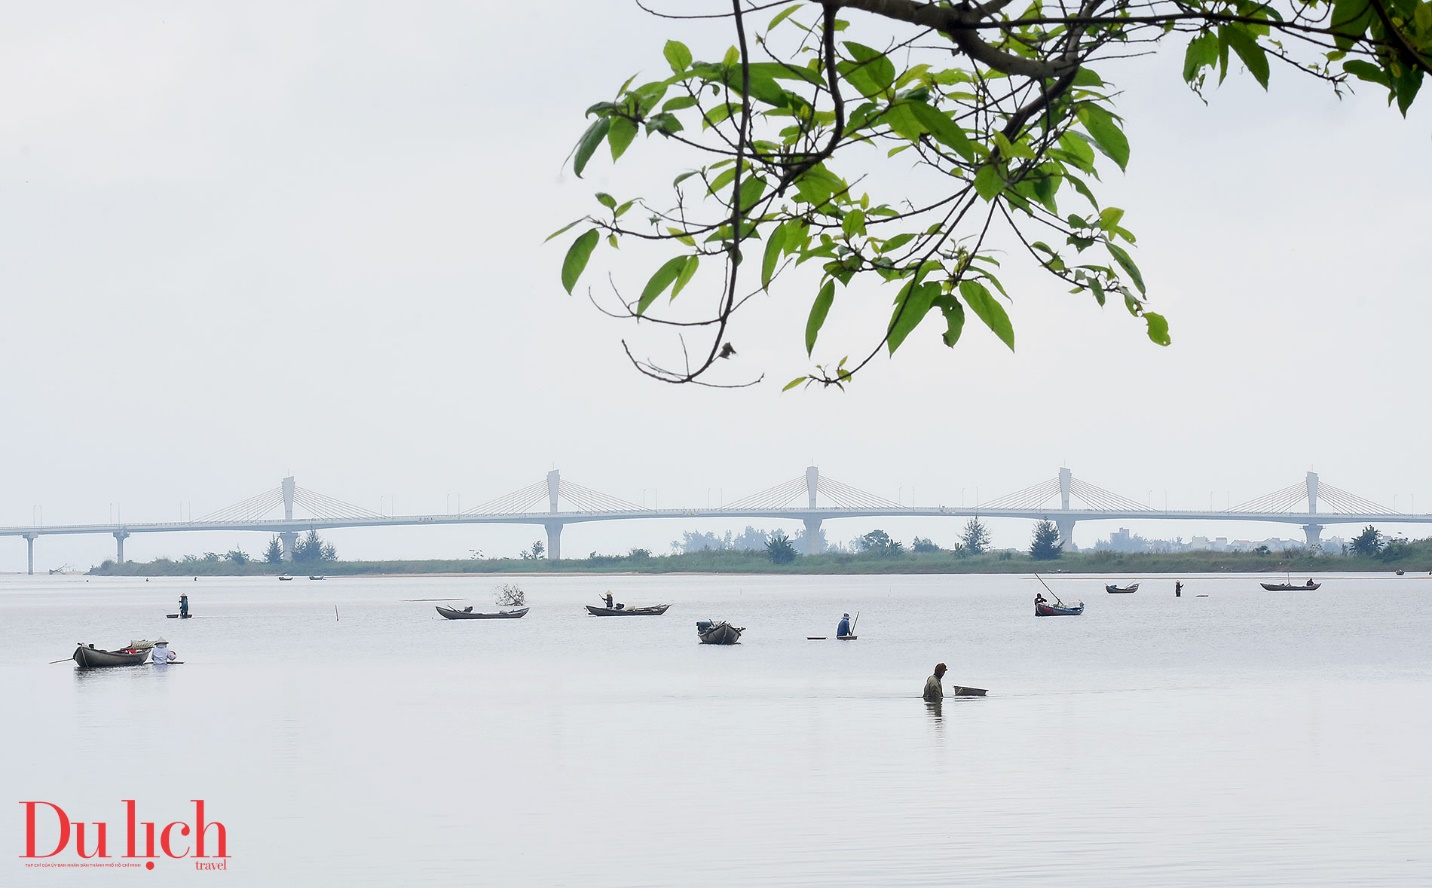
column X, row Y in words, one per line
column 289, row 510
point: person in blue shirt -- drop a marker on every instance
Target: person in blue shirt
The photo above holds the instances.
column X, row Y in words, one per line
column 183, row 605
column 844, row 628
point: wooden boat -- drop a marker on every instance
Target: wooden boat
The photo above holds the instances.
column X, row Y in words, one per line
column 285, row 578
column 1289, row 587
column 452, row 613
column 958, row 691
column 718, row 632
column 1115, row 590
column 846, row 637
column 654, row 610
column 1058, row 610
column 178, row 616
column 318, row 578
column 90, row 657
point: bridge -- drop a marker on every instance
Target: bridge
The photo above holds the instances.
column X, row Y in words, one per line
column 810, row 499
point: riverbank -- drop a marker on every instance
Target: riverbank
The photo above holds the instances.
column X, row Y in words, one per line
column 1415, row 561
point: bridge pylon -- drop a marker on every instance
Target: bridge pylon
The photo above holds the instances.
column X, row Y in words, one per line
column 554, row 528
column 30, row 545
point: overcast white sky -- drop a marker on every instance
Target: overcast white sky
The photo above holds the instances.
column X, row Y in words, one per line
column 239, row 241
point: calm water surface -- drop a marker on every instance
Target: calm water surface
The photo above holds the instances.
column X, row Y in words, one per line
column 1246, row 738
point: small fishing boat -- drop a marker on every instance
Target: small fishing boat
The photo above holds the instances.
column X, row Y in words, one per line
column 1058, row 610
column 90, row 657
column 846, row 637
column 285, row 578
column 1113, row 589
column 452, row 613
column 1290, row 587
column 178, row 616
column 718, row 632
column 654, row 610
column 318, row 578
column 958, row 691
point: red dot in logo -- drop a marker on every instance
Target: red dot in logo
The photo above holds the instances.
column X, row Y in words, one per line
column 149, row 865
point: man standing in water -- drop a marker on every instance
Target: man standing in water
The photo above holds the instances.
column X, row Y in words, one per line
column 183, row 606
column 934, row 693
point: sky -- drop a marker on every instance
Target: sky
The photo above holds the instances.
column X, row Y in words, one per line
column 245, row 241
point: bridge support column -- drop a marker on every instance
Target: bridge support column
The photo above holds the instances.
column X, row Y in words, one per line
column 30, row 544
column 289, row 539
column 119, row 537
column 1313, row 533
column 554, row 540
column 1066, row 533
column 812, row 536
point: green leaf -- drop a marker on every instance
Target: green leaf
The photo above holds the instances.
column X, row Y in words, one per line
column 945, row 130
column 818, row 310
column 775, row 242
column 623, row 130
column 1103, row 127
column 902, row 121
column 1349, row 18
column 665, row 276
column 954, row 319
column 1249, row 51
column 751, row 190
column 988, row 182
column 987, row 308
column 780, row 17
column 688, row 271
column 1158, row 328
column 606, row 200
column 911, row 307
column 853, row 225
column 677, row 55
column 871, row 73
column 1367, row 71
column 564, row 228
column 1202, row 53
column 588, row 144
column 794, row 382
column 576, row 260
column 1127, row 264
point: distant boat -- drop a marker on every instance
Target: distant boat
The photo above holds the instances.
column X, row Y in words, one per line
column 318, row 578
column 452, row 613
column 654, row 610
column 92, row 658
column 958, row 691
column 1057, row 610
column 718, row 632
column 178, row 616
column 285, row 578
column 1290, row 587
column 1114, row 590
